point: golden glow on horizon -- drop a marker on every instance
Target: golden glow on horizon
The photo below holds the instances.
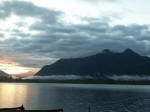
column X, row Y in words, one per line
column 13, row 68
column 10, row 65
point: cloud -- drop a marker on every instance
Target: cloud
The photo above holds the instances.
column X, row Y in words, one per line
column 76, row 40
column 101, row 0
column 28, row 9
column 51, row 38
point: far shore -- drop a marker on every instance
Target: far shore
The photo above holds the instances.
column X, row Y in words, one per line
column 143, row 82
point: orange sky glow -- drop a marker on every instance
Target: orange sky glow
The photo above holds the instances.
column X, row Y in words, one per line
column 14, row 68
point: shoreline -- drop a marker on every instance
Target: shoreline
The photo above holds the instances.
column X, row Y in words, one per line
column 144, row 82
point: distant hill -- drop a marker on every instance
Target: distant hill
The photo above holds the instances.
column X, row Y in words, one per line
column 4, row 76
column 107, row 62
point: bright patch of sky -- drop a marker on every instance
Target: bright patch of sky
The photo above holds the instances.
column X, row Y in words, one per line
column 120, row 11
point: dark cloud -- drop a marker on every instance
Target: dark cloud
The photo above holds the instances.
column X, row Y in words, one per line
column 28, row 9
column 83, row 40
column 59, row 40
column 1, row 35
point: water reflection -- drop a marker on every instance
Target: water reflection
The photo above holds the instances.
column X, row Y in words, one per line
column 76, row 98
column 12, row 95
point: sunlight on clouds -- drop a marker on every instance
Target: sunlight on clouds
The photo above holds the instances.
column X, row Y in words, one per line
column 77, row 9
column 8, row 24
column 12, row 23
column 69, row 19
column 29, row 21
column 13, row 70
column 72, row 10
column 11, row 67
column 120, row 11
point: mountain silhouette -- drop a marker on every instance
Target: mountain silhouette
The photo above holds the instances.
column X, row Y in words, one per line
column 107, row 62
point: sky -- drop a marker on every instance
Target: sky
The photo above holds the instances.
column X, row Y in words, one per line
column 35, row 33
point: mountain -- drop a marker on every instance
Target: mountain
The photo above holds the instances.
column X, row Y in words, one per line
column 107, row 62
column 4, row 75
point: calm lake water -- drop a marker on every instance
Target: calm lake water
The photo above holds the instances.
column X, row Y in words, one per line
column 76, row 97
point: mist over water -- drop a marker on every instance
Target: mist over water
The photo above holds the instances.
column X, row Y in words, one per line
column 130, row 77
column 77, row 77
column 59, row 77
column 76, row 97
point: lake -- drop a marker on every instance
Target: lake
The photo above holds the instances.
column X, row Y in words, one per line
column 76, row 97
